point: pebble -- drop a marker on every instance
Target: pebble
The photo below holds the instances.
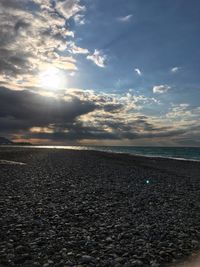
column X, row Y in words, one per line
column 86, row 259
column 137, row 263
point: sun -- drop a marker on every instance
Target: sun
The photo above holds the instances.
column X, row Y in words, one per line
column 52, row 78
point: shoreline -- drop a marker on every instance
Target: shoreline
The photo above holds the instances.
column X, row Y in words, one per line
column 84, row 148
column 91, row 208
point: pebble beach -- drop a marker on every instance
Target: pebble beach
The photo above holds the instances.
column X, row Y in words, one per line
column 86, row 208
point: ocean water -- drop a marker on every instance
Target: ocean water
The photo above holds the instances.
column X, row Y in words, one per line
column 187, row 153
column 184, row 153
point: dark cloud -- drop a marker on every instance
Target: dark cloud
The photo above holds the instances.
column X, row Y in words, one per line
column 189, row 142
column 80, row 132
column 21, row 25
column 113, row 107
column 20, row 111
column 170, row 133
column 12, row 3
column 76, row 132
column 78, row 116
column 23, row 110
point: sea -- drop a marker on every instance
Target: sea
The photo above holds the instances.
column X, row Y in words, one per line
column 181, row 153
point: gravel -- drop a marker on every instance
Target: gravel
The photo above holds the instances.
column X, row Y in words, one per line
column 84, row 208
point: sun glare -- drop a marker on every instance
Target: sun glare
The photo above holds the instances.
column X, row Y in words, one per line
column 52, row 79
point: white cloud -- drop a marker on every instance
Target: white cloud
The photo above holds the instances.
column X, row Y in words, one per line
column 180, row 112
column 69, row 8
column 79, row 19
column 160, row 89
column 125, row 18
column 74, row 49
column 138, row 71
column 175, row 69
column 98, row 58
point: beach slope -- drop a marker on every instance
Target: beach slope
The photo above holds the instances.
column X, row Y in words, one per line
column 86, row 208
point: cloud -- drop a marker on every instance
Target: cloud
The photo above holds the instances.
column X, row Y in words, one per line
column 79, row 19
column 98, row 58
column 183, row 113
column 69, row 8
column 160, row 89
column 74, row 49
column 33, row 113
column 138, row 71
column 22, row 106
column 80, row 116
column 175, row 69
column 125, row 18
column 34, row 36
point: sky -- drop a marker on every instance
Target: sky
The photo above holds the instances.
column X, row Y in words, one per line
column 100, row 72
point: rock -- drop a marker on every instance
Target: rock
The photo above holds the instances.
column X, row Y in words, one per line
column 109, row 239
column 36, row 264
column 86, row 259
column 22, row 258
column 70, row 253
column 119, row 259
column 20, row 249
column 68, row 263
column 136, row 263
column 195, row 243
column 64, row 255
column 10, row 256
column 64, row 250
column 162, row 253
column 154, row 264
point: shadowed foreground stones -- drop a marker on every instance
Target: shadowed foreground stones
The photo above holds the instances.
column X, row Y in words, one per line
column 85, row 208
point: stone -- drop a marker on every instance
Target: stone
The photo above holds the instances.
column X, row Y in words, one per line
column 86, row 259
column 137, row 263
